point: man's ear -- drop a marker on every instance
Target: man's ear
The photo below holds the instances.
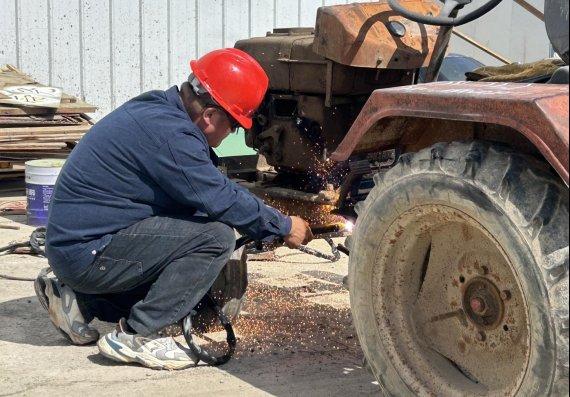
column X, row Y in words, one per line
column 208, row 115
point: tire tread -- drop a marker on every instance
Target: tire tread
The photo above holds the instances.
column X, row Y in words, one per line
column 532, row 196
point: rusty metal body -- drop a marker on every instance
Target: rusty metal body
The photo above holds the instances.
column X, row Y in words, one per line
column 349, row 86
column 320, row 78
column 452, row 317
column 363, row 35
column 539, row 112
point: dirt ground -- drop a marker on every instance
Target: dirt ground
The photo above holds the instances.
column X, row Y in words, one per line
column 295, row 338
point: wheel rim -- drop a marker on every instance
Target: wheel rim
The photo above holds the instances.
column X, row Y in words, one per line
column 449, row 306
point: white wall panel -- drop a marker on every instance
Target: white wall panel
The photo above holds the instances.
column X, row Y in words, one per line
column 509, row 31
column 65, row 45
column 210, row 33
column 262, row 17
column 108, row 51
column 182, row 39
column 8, row 26
column 527, row 34
column 309, row 12
column 236, row 21
column 286, row 13
column 34, row 39
column 126, row 67
column 96, row 54
column 155, row 44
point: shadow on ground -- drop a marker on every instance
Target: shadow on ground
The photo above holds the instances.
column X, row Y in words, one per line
column 288, row 345
column 299, row 339
column 25, row 321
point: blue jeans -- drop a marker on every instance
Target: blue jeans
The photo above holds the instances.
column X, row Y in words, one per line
column 154, row 272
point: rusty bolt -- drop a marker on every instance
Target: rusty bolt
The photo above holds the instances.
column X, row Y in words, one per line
column 480, row 336
column 506, row 295
column 478, row 305
column 483, row 270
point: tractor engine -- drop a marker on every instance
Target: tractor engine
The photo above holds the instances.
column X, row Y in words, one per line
column 321, row 78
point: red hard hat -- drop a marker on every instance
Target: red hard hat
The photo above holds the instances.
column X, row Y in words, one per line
column 235, row 80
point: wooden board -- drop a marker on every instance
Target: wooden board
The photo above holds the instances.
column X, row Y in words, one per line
column 16, row 171
column 13, row 168
column 78, row 107
column 57, row 138
column 19, row 157
column 37, row 131
column 41, row 120
column 14, row 175
column 27, row 141
column 32, row 146
column 10, row 76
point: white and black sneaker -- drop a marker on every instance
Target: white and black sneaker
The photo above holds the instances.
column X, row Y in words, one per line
column 60, row 302
column 154, row 351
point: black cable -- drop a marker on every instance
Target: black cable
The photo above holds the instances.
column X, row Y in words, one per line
column 197, row 350
column 14, row 278
column 35, row 244
column 335, row 252
column 9, row 249
column 37, row 241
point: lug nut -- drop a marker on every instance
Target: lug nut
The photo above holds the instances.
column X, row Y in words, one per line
column 480, row 336
column 483, row 270
column 506, row 295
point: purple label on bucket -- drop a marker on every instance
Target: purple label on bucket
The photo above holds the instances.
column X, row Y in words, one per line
column 39, row 197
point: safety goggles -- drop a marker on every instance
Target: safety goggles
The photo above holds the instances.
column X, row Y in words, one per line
column 234, row 124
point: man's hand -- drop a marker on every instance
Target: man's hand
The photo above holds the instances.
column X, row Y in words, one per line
column 300, row 233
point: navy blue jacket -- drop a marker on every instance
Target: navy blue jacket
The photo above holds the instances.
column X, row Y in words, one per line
column 144, row 159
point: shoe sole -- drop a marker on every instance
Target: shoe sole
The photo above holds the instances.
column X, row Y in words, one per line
column 122, row 353
column 58, row 318
column 39, row 287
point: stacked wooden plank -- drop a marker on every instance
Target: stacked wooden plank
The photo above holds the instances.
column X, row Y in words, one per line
column 28, row 133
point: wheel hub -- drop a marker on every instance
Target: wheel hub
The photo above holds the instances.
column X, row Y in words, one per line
column 452, row 312
column 482, row 303
column 478, row 306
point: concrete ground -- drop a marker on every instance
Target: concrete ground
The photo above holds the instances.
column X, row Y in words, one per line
column 295, row 338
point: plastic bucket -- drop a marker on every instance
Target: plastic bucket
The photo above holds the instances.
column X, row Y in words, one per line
column 40, row 181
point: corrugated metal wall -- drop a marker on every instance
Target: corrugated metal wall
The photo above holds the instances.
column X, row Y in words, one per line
column 509, row 30
column 107, row 51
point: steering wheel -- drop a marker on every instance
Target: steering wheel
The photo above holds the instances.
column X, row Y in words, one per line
column 447, row 15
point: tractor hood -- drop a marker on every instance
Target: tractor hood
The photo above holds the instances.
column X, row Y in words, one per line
column 372, row 35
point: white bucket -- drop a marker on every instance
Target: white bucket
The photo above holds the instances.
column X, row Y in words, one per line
column 40, row 181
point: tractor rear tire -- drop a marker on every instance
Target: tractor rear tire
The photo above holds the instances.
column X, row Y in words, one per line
column 458, row 274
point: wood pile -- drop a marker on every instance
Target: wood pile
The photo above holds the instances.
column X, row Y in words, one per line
column 28, row 133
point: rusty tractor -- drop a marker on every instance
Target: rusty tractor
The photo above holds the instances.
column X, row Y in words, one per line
column 459, row 260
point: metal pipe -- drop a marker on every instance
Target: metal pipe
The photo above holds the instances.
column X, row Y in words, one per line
column 480, row 46
column 440, row 49
column 530, row 8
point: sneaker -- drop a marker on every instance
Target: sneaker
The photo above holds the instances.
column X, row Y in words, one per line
column 153, row 351
column 60, row 302
column 40, row 288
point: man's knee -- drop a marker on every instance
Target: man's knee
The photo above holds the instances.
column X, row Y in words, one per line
column 225, row 236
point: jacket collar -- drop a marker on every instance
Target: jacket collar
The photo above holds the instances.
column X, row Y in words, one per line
column 173, row 97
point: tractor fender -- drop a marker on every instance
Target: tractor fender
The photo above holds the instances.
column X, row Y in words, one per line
column 537, row 111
